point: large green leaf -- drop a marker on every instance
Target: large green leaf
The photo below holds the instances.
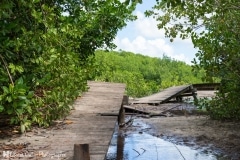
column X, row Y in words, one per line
column 1, row 108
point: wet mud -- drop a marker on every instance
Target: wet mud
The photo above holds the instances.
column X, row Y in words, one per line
column 141, row 141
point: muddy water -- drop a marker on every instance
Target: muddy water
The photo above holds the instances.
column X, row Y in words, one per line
column 134, row 143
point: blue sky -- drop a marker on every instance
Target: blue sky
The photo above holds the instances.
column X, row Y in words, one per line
column 142, row 36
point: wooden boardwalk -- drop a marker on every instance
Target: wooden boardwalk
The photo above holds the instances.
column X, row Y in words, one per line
column 83, row 126
column 165, row 95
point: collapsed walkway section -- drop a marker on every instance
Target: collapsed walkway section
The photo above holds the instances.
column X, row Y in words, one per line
column 166, row 95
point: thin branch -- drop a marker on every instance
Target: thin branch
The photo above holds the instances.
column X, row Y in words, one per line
column 129, row 122
column 6, row 67
column 156, row 150
column 137, row 152
column 170, row 108
column 144, row 150
column 179, row 151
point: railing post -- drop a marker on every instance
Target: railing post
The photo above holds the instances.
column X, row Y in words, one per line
column 121, row 116
column 81, row 152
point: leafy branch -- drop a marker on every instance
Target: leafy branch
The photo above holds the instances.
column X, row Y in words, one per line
column 6, row 67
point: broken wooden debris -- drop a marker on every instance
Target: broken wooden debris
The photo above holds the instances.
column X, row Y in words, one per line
column 157, row 114
column 132, row 109
column 149, row 114
column 136, row 111
column 114, row 114
column 170, row 109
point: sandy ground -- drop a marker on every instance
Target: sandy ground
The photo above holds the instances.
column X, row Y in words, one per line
column 198, row 132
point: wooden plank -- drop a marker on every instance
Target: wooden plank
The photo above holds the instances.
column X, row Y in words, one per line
column 101, row 97
column 164, row 96
column 135, row 110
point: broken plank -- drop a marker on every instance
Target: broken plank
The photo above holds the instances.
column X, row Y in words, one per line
column 164, row 96
column 135, row 109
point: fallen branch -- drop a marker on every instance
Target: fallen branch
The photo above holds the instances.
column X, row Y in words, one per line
column 137, row 152
column 170, row 109
column 126, row 123
column 156, row 150
column 157, row 114
column 144, row 150
column 179, row 151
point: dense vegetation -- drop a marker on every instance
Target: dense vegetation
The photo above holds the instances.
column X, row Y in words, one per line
column 142, row 74
column 47, row 48
column 214, row 29
column 44, row 47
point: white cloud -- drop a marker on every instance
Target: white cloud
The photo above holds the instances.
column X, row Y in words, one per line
column 147, row 26
column 153, row 48
column 145, row 38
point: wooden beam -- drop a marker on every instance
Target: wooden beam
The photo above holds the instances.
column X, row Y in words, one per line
column 186, row 95
column 121, row 117
column 125, row 100
column 115, row 114
column 81, row 152
column 135, row 110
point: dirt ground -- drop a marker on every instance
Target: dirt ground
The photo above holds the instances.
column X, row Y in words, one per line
column 198, row 132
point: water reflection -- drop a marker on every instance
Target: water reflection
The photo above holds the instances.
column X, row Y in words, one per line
column 142, row 146
column 120, row 146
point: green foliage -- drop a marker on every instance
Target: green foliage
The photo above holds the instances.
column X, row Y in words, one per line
column 213, row 27
column 16, row 101
column 202, row 103
column 44, row 50
column 142, row 74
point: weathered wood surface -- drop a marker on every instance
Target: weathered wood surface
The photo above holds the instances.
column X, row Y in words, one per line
column 83, row 126
column 134, row 109
column 100, row 98
column 164, row 95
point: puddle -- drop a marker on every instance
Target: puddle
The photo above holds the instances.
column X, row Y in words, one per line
column 136, row 144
